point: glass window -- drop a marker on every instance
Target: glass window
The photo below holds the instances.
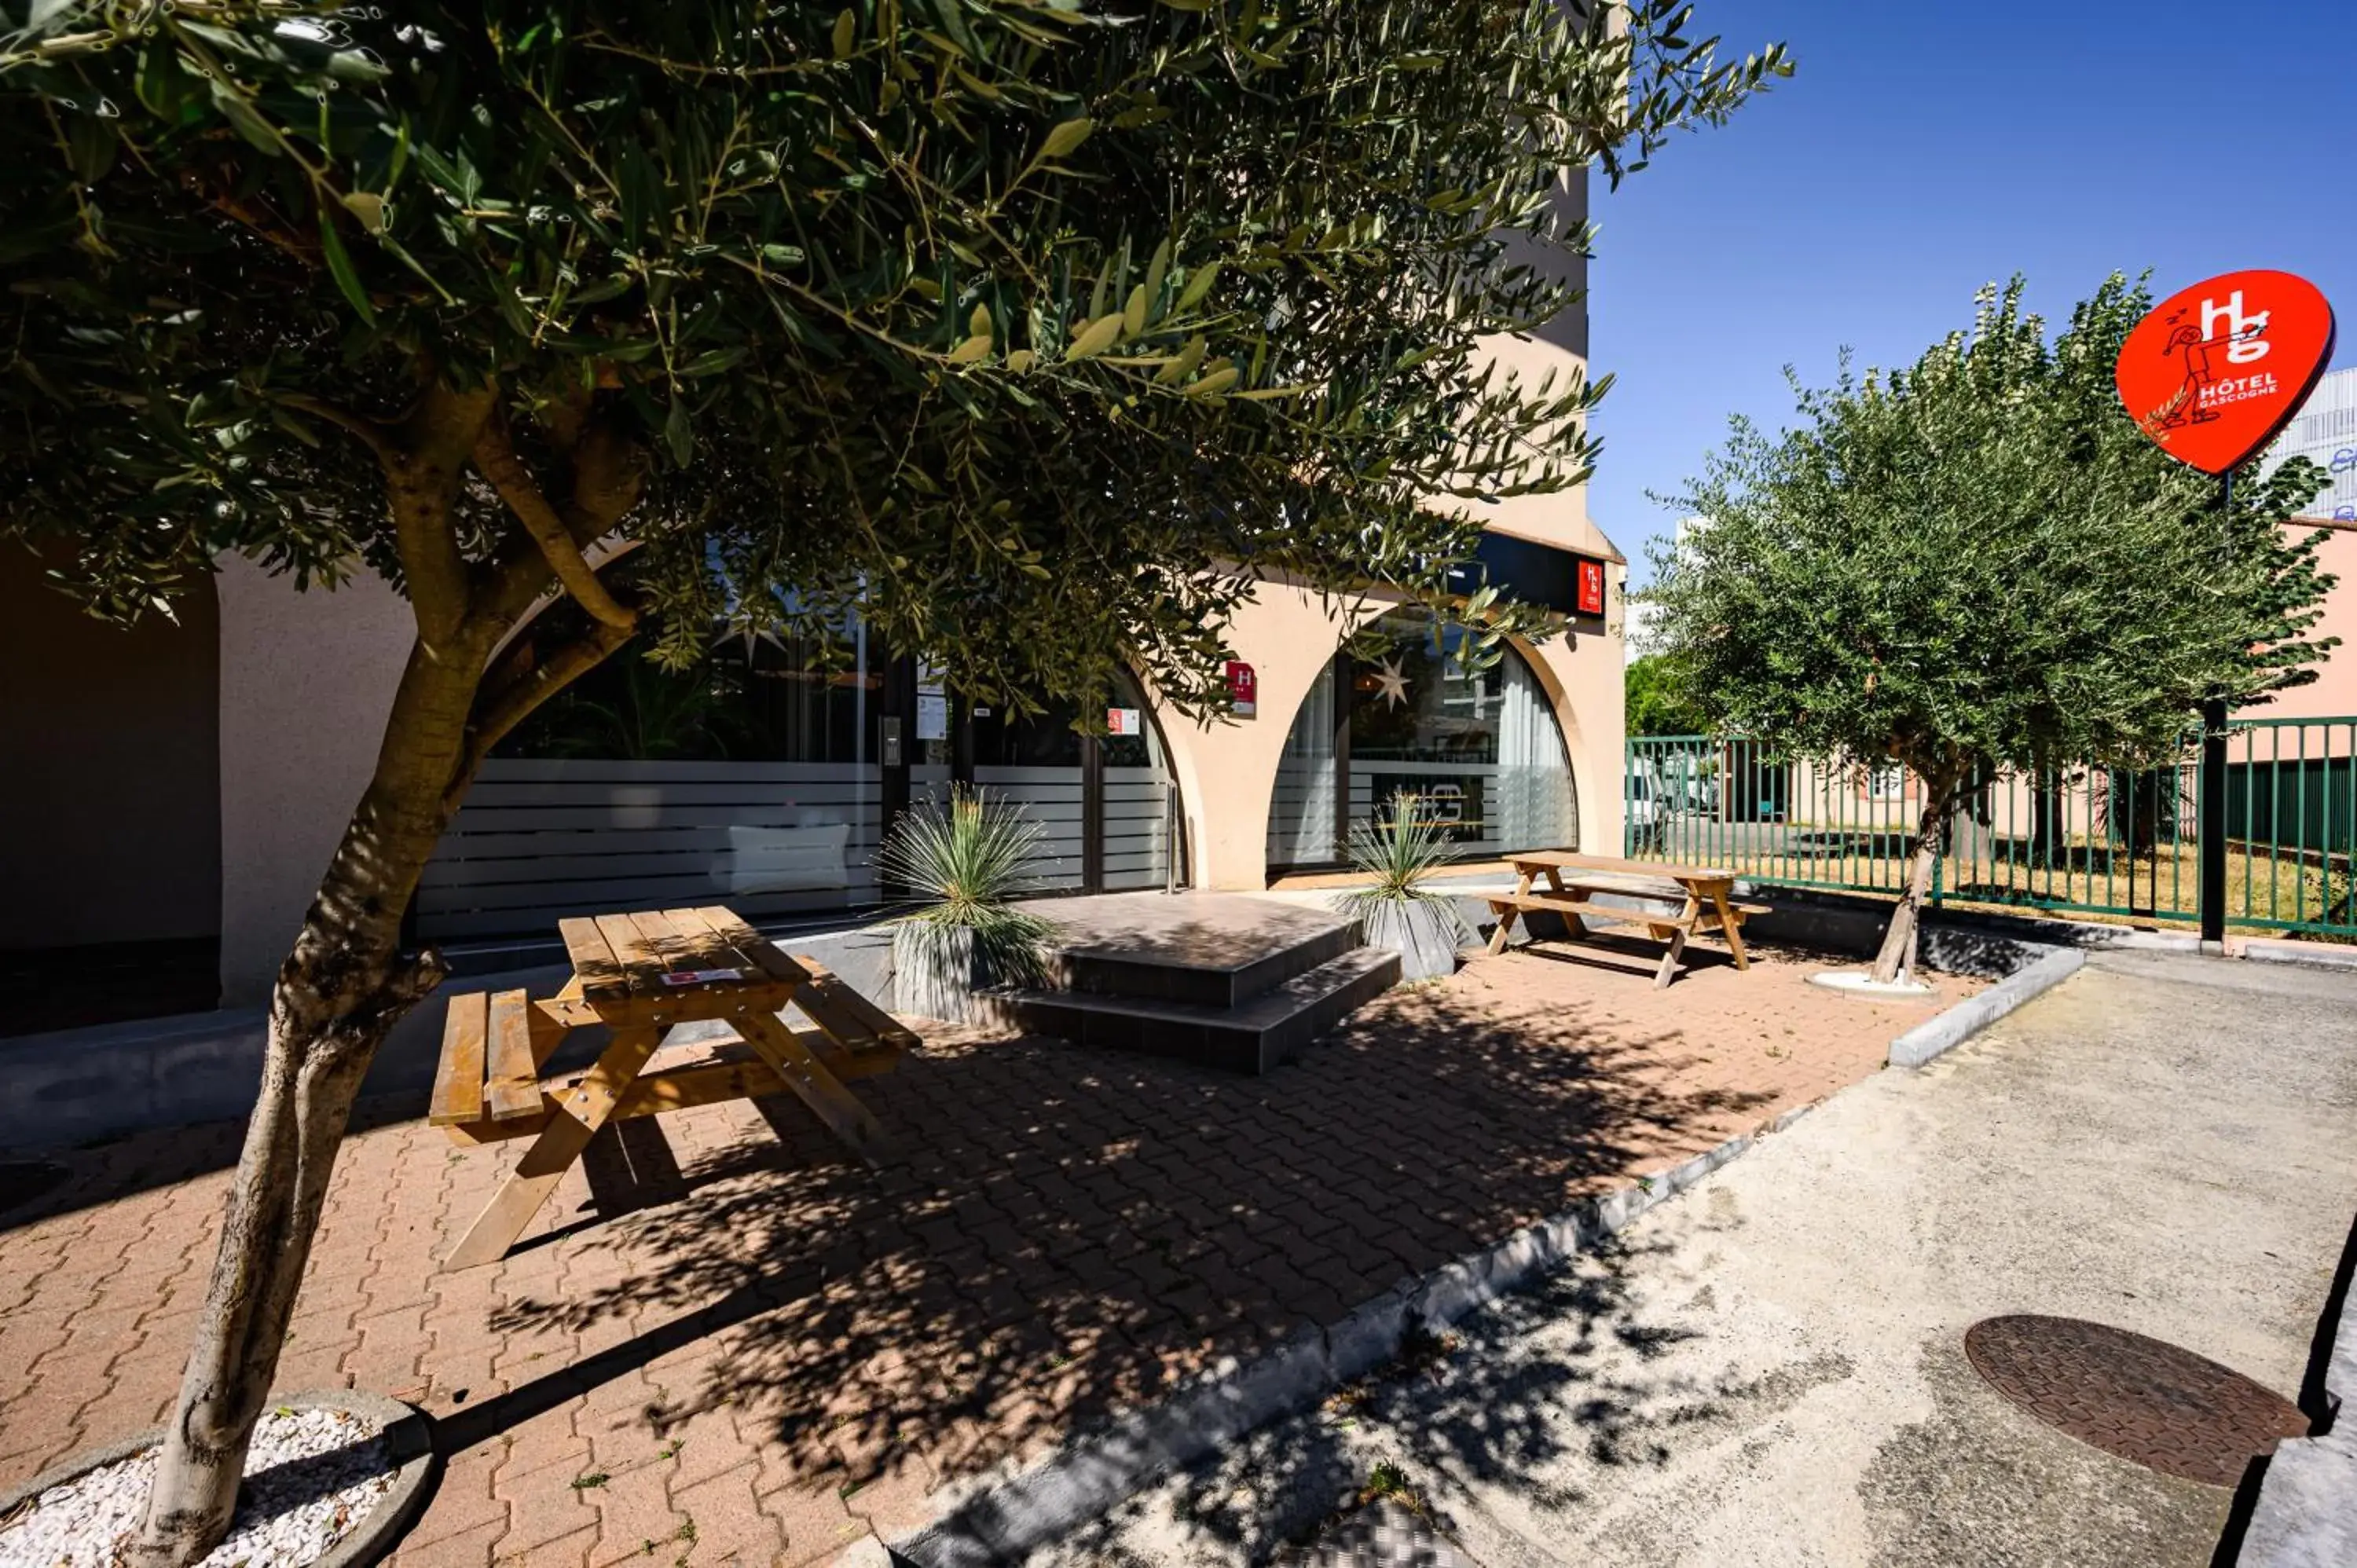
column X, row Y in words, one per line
column 763, row 699
column 1136, row 783
column 1301, row 808
column 1478, row 754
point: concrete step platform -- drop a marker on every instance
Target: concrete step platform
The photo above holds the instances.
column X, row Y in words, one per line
column 1211, row 949
column 1256, row 1035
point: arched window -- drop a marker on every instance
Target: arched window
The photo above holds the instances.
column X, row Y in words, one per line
column 1396, row 723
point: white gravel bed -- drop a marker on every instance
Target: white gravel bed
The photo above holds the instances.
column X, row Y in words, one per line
column 310, row 1476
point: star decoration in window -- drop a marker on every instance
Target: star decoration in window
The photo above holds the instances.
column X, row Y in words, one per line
column 1391, row 682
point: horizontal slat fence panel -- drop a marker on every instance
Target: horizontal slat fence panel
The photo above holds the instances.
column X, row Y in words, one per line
column 1050, row 797
column 540, row 840
column 486, row 924
column 1137, row 848
column 1301, row 814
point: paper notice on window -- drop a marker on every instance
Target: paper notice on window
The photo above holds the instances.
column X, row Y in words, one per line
column 932, row 716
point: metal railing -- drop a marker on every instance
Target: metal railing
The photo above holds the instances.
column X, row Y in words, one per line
column 2110, row 843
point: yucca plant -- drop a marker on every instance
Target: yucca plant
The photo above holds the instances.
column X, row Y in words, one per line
column 1395, row 909
column 967, row 858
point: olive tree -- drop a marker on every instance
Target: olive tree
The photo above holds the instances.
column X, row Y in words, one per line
column 1978, row 563
column 1032, row 328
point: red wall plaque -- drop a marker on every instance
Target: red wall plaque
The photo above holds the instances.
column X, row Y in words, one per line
column 1591, row 587
column 1243, row 689
column 2217, row 370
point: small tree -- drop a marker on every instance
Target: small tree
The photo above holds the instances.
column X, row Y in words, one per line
column 1658, row 702
column 1978, row 563
column 1030, row 330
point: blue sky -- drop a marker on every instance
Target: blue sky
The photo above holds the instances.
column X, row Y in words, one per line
column 1923, row 147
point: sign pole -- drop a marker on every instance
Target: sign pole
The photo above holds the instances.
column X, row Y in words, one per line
column 2211, row 831
column 2211, row 374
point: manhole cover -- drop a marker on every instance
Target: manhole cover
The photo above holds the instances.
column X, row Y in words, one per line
column 21, row 1181
column 2165, row 1408
column 1381, row 1535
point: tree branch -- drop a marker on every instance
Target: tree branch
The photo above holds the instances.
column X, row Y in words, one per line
column 609, row 473
column 422, row 462
column 515, row 702
column 377, row 436
column 496, row 458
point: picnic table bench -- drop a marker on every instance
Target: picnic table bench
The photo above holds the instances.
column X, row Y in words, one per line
column 1673, row 901
column 638, row 975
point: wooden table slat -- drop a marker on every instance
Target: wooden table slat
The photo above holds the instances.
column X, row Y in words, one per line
column 514, row 1075
column 847, row 1017
column 725, row 952
column 621, row 934
column 459, row 1076
column 666, row 945
column 757, row 948
column 738, row 947
column 600, row 973
column 1571, row 860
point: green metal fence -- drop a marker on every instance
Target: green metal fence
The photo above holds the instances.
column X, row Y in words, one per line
column 2086, row 840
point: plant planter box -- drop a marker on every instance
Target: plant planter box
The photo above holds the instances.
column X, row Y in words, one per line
column 1423, row 934
column 936, row 974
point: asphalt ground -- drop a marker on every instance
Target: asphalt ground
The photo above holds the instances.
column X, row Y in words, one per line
column 1770, row 1369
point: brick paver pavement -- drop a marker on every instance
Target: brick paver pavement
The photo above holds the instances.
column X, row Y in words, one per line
column 725, row 1342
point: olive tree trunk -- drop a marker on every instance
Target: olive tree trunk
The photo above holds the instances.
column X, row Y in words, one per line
column 1896, row 960
column 340, row 990
column 347, row 982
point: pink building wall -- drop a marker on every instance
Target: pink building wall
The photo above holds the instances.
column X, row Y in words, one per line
column 2334, row 692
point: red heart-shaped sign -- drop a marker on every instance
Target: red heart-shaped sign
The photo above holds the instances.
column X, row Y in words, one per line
column 2217, row 370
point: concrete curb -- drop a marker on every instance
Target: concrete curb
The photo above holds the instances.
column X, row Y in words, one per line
column 1936, row 1037
column 1015, row 1512
column 407, row 1435
column 2306, row 1515
column 2314, row 955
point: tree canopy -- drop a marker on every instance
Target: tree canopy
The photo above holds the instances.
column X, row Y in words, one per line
column 1657, row 701
column 1978, row 562
column 1028, row 325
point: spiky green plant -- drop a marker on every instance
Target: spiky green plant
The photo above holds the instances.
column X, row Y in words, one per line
column 966, row 857
column 1396, row 857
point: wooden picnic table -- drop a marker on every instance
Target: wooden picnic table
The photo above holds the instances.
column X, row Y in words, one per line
column 1704, row 896
column 638, row 975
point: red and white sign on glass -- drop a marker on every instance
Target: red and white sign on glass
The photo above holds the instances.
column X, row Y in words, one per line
column 2216, row 370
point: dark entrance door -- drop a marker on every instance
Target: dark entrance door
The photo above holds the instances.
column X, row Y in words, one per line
column 1104, row 804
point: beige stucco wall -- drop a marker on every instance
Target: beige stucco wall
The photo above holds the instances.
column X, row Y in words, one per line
column 1227, row 769
column 307, row 680
column 1227, row 772
column 1561, row 519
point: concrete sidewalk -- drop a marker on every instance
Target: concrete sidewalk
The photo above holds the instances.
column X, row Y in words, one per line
column 1769, row 1370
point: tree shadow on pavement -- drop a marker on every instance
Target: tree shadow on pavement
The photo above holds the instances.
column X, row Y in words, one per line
column 1562, row 1371
column 1068, row 1232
